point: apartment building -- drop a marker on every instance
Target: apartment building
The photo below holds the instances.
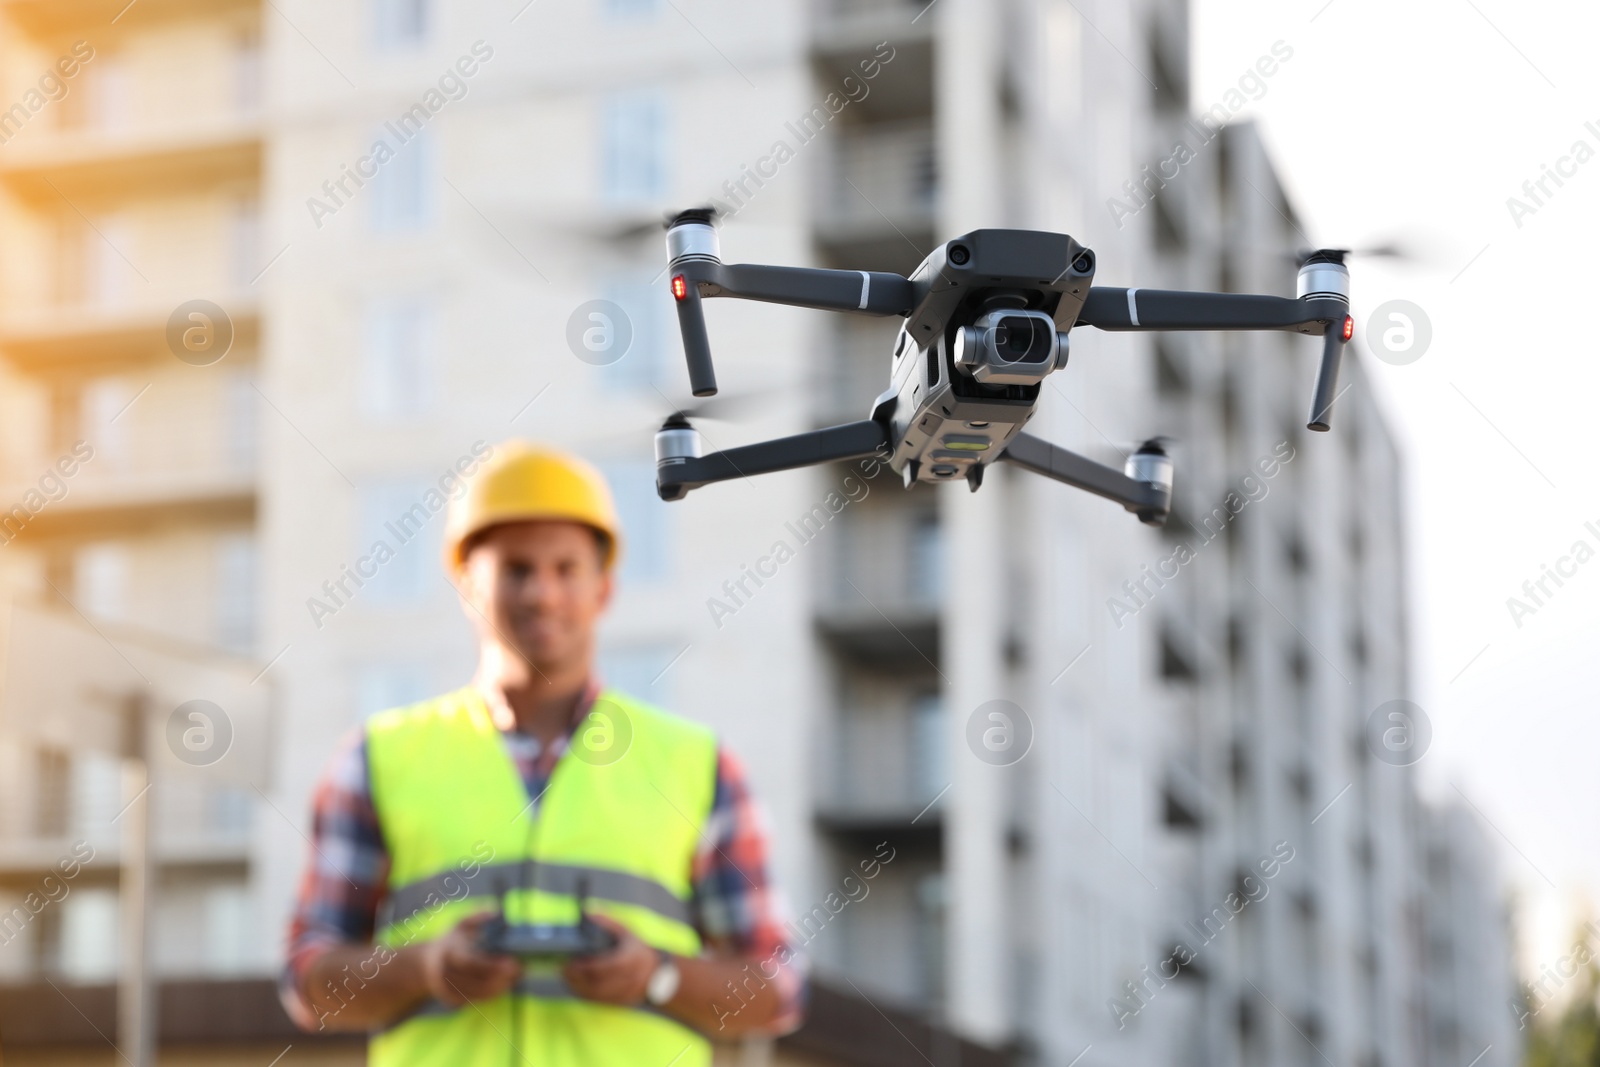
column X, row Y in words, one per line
column 394, row 310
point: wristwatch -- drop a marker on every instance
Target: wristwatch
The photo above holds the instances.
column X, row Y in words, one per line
column 663, row 984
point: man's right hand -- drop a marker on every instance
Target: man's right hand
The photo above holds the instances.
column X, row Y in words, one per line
column 455, row 970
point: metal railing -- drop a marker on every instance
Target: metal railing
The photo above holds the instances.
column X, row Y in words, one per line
column 885, row 762
column 881, row 177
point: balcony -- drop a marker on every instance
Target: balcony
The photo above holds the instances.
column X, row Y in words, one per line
column 851, row 25
column 879, row 604
column 46, row 18
column 66, row 783
column 878, row 184
column 99, row 333
column 886, row 765
column 170, row 441
column 103, row 166
column 855, row 368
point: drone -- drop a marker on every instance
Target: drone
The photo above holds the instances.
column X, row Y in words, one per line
column 988, row 315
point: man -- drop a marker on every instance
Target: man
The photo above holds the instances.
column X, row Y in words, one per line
column 536, row 790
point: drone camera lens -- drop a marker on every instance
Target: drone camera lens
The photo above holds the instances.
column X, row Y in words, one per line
column 1084, row 263
column 1021, row 340
column 959, row 255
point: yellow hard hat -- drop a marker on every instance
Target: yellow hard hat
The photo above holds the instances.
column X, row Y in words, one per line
column 522, row 482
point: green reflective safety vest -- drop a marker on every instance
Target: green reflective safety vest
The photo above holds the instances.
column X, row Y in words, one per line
column 619, row 821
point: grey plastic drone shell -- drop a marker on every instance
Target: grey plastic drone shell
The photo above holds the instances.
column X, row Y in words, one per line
column 676, row 444
column 1324, row 280
column 693, row 240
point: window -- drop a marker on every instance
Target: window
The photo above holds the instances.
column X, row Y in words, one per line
column 110, row 93
column 1169, row 231
column 398, row 357
column 631, row 9
column 100, row 580
column 228, row 929
column 244, row 243
column 104, row 421
column 229, row 810
column 400, row 23
column 236, row 592
column 1176, row 665
column 403, row 190
column 925, row 560
column 634, row 145
column 1171, row 379
column 646, row 529
column 638, row 671
column 928, row 748
column 381, row 686
column 247, row 73
column 650, row 320
column 239, row 426
column 395, row 514
column 96, row 794
column 110, row 279
column 88, row 946
column 930, row 938
column 52, row 792
column 1170, row 92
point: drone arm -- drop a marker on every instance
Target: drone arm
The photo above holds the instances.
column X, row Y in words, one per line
column 677, row 474
column 696, row 342
column 1165, row 309
column 868, row 292
column 1333, row 342
column 1320, row 314
column 1151, row 500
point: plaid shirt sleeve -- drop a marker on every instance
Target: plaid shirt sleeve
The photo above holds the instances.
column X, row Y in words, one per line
column 738, row 907
column 345, row 876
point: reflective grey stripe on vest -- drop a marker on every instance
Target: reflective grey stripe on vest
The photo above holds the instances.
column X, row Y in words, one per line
column 494, row 879
column 545, row 987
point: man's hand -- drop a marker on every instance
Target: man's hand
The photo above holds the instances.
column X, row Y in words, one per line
column 456, row 970
column 615, row 977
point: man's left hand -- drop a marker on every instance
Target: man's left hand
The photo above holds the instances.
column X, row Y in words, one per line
column 615, row 977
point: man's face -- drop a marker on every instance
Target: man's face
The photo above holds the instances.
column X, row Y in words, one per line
column 539, row 589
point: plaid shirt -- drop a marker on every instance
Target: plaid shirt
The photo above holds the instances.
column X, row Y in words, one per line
column 735, row 905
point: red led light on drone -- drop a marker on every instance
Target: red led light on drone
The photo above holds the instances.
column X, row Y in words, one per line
column 680, row 286
column 1349, row 327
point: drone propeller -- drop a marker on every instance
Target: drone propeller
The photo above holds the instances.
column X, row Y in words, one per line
column 1401, row 251
column 725, row 407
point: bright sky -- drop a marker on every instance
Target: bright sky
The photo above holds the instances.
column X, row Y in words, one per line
column 1417, row 120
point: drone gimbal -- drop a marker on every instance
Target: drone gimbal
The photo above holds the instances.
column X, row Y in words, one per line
column 987, row 317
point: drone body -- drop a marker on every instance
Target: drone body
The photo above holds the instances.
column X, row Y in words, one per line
column 988, row 315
